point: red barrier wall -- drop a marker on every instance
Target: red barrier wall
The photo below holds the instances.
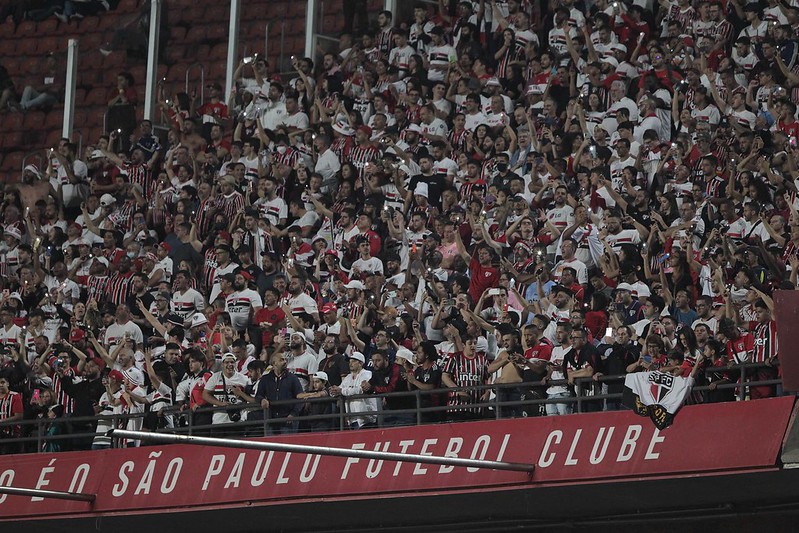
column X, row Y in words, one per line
column 585, row 447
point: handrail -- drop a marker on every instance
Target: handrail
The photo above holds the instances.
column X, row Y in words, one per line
column 202, row 79
column 266, row 39
column 341, row 417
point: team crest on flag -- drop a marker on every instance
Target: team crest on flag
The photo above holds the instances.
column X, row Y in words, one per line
column 656, row 395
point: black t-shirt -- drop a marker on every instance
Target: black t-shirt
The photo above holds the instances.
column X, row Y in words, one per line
column 430, row 376
column 615, row 360
column 435, row 187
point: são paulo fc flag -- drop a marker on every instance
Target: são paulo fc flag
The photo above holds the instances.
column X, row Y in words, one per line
column 656, row 395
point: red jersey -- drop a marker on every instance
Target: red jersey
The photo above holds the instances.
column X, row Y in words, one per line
column 274, row 316
column 482, row 278
column 540, row 352
column 741, row 349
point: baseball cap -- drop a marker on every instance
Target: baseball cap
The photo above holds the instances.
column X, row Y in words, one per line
column 198, row 319
column 355, row 284
column 228, row 357
column 107, row 200
column 358, row 356
column 404, row 353
column 321, row 376
column 165, row 295
column 329, row 308
column 76, row 335
column 13, row 231
column 624, row 287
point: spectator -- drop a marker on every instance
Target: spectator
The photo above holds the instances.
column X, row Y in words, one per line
column 353, row 385
column 283, row 388
column 225, row 389
column 49, row 92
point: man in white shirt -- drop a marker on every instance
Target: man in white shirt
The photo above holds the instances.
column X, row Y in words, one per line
column 70, row 175
column 122, row 328
column 474, row 117
column 327, row 163
column 225, row 389
column 568, row 248
column 302, row 360
column 299, row 301
column 294, row 119
column 440, row 55
column 185, row 300
column 274, row 110
column 365, row 262
column 352, row 385
column 243, row 303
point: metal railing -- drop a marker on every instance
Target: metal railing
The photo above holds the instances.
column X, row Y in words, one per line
column 202, row 80
column 195, row 422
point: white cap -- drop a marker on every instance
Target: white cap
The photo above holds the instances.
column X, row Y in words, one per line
column 481, row 345
column 343, row 128
column 158, row 352
column 14, row 232
column 422, row 189
column 355, row 284
column 358, row 356
column 97, row 154
column 321, row 375
column 133, row 375
column 404, row 353
column 198, row 319
column 227, row 356
column 107, row 200
column 624, row 287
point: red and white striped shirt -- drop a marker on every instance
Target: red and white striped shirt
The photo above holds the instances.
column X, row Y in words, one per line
column 767, row 346
column 119, row 287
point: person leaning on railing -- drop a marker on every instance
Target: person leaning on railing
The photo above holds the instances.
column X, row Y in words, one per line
column 282, row 388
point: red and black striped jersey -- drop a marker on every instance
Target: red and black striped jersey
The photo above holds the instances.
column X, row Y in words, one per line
column 97, row 286
column 10, row 405
column 466, row 372
column 360, row 155
column 119, row 287
column 230, row 205
column 767, row 346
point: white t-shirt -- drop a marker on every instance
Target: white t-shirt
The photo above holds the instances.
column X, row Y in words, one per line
column 186, row 304
column 239, row 305
column 216, row 386
column 115, row 334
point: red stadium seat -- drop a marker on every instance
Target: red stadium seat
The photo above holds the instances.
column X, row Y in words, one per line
column 11, row 140
column 127, row 6
column 26, row 27
column 218, row 52
column 218, row 15
column 34, row 120
column 196, row 34
column 12, row 162
column 217, row 32
column 88, row 24
column 48, row 27
column 26, row 46
column 54, row 119
column 50, row 44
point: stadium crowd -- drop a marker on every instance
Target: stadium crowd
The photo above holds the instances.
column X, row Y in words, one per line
column 493, row 192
